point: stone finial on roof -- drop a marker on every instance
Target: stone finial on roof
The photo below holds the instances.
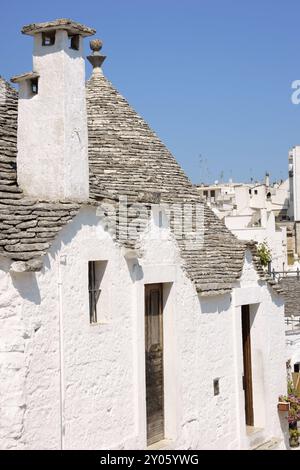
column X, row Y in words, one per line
column 96, row 45
column 96, row 59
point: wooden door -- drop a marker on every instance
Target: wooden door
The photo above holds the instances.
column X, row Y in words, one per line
column 154, row 362
column 247, row 378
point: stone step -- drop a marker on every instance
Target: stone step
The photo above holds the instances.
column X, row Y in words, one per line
column 164, row 444
column 271, row 444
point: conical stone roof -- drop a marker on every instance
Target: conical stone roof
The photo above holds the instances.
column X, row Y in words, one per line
column 127, row 158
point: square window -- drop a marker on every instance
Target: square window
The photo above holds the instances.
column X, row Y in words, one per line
column 216, row 387
column 48, row 38
column 96, row 270
column 74, row 41
column 34, row 82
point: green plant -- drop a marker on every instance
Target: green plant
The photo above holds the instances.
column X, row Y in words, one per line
column 264, row 254
column 294, row 437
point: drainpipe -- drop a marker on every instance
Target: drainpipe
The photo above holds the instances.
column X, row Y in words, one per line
column 62, row 260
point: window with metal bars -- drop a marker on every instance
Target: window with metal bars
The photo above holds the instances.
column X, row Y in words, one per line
column 94, row 289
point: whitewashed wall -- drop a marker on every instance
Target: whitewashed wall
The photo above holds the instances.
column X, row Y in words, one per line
column 268, row 357
column 71, row 384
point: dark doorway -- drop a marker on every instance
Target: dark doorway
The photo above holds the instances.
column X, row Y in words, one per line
column 154, row 362
column 247, row 378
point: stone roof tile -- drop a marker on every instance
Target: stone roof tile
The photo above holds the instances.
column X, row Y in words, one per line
column 291, row 294
column 8, row 136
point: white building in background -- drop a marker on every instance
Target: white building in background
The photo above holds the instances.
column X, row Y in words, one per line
column 232, row 198
column 294, row 182
column 254, row 211
column 264, row 231
column 290, row 284
column 117, row 330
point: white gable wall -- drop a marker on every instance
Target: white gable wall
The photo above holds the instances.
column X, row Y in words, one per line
column 101, row 384
column 268, row 353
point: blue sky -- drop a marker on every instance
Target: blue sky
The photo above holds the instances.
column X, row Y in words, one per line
column 212, row 77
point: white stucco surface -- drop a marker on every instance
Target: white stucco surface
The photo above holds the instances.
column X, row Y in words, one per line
column 68, row 384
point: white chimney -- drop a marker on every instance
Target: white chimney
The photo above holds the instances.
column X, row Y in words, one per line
column 52, row 159
column 267, row 179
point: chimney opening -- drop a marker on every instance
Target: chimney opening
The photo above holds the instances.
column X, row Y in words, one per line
column 48, row 38
column 74, row 41
column 34, row 82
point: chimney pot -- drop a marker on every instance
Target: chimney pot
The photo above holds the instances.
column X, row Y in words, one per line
column 52, row 122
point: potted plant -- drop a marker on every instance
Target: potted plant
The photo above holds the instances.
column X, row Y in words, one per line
column 283, row 405
column 291, row 404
